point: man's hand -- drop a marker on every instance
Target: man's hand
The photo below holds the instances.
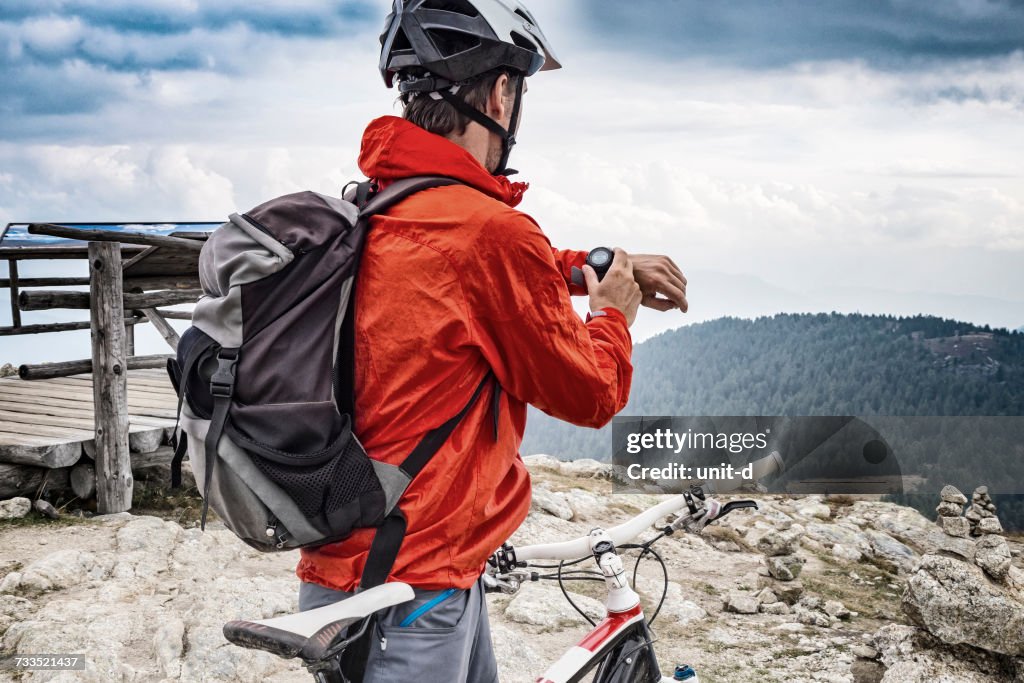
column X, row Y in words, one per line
column 618, row 289
column 660, row 275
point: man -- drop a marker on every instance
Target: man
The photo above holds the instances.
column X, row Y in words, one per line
column 456, row 283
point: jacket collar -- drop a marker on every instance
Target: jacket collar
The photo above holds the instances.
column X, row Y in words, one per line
column 394, row 148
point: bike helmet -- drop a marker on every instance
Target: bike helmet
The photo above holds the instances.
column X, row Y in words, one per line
column 432, row 46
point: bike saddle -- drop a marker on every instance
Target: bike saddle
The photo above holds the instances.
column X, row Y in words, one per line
column 312, row 634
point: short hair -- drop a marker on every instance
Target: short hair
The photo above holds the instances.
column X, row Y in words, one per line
column 441, row 118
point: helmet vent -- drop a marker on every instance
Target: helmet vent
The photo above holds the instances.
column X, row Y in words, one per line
column 525, row 16
column 401, row 41
column 463, row 7
column 522, row 41
column 450, row 43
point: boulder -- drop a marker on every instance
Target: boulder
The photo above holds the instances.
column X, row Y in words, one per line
column 816, row 510
column 989, row 525
column 785, row 567
column 951, row 494
column 949, row 509
column 776, row 543
column 959, row 527
column 741, row 603
column 846, row 553
column 957, row 603
column 15, row 508
column 552, row 503
column 992, row 554
column 545, row 606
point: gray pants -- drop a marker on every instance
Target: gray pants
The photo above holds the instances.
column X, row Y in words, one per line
column 437, row 637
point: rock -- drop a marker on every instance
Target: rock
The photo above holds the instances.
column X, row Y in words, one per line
column 981, row 493
column 864, row 651
column 836, row 609
column 60, row 570
column 992, row 553
column 788, row 592
column 545, row 606
column 957, row 603
column 846, row 553
column 951, row 494
column 990, row 525
column 776, row 608
column 15, row 508
column 741, row 603
column 785, row 567
column 959, row 527
column 884, row 546
column 543, row 463
column 551, row 503
column 865, row 671
column 587, row 468
column 949, row 509
column 766, row 596
column 514, row 654
column 169, row 645
column 816, row 510
column 776, row 543
column 45, row 509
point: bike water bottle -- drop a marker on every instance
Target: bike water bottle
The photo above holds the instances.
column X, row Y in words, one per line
column 684, row 672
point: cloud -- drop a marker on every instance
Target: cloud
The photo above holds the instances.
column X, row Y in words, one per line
column 753, row 33
column 60, row 57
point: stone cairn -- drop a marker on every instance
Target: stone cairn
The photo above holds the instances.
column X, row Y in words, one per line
column 982, row 514
column 951, row 512
column 980, row 519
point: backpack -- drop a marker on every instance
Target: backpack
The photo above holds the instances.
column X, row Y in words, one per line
column 265, row 380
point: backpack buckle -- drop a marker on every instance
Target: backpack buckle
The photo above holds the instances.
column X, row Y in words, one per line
column 222, row 384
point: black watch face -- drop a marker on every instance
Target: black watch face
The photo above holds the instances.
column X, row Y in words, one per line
column 599, row 258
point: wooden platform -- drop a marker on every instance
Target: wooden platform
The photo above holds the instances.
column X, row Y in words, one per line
column 48, row 423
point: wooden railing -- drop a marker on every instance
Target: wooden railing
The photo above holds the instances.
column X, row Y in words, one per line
column 131, row 277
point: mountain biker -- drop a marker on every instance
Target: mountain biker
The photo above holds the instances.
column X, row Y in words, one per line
column 455, row 283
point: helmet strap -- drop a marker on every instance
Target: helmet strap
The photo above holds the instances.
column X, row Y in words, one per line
column 508, row 137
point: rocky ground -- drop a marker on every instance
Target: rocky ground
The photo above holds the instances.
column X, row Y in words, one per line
column 802, row 590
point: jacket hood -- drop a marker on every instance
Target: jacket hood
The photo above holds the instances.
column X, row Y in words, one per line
column 394, row 148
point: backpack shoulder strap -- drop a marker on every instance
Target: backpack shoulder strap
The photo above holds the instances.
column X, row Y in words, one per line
column 399, row 190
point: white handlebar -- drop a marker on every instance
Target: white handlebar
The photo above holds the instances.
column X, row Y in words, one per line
column 627, row 531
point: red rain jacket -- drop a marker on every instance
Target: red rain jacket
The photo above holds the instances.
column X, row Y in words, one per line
column 454, row 282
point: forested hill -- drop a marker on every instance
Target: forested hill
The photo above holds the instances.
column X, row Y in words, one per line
column 822, row 365
column 811, row 365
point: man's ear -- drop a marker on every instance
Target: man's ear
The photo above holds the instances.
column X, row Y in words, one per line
column 496, row 108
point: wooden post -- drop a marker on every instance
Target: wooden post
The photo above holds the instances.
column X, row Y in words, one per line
column 13, row 277
column 169, row 334
column 109, row 379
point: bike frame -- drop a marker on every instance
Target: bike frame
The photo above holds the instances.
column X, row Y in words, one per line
column 620, row 643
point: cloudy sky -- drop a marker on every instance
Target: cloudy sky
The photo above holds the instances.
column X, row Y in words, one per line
column 791, row 156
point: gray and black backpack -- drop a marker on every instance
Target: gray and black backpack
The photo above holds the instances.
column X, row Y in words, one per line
column 265, row 380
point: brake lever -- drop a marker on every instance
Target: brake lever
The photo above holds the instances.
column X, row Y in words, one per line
column 736, row 505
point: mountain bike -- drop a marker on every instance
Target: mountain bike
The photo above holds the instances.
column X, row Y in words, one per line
column 619, row 647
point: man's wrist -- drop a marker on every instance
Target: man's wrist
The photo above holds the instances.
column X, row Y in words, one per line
column 608, row 312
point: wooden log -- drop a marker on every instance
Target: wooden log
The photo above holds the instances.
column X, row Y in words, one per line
column 48, row 281
column 46, row 299
column 24, row 480
column 175, row 315
column 83, row 480
column 139, row 441
column 171, row 282
column 38, row 452
column 60, row 327
column 54, row 252
column 155, row 466
column 109, row 379
column 114, row 236
column 13, row 284
column 169, row 334
column 77, row 367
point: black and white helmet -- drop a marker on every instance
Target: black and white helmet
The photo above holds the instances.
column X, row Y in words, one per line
column 455, row 40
